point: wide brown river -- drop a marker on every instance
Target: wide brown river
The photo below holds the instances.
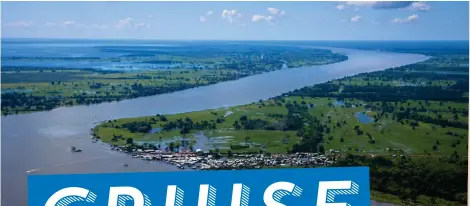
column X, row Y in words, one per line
column 39, row 143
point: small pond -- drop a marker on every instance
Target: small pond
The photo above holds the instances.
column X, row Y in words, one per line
column 364, row 118
column 339, row 102
column 155, row 130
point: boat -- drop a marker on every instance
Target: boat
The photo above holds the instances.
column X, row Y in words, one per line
column 74, row 149
column 125, row 165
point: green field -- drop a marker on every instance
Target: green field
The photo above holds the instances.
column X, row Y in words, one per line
column 30, row 89
column 409, row 125
column 379, row 120
column 386, row 133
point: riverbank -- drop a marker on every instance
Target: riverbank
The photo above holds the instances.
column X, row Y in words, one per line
column 33, row 85
column 53, row 132
column 388, row 115
column 204, row 160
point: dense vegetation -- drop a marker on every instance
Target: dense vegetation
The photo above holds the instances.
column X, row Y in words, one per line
column 425, row 82
column 391, row 90
column 29, row 89
column 409, row 124
column 424, row 180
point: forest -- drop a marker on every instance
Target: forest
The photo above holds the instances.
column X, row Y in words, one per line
column 30, row 89
column 408, row 124
column 413, row 181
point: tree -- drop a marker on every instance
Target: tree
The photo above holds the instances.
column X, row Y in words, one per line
column 236, row 125
column 184, row 130
column 171, row 146
column 321, row 149
column 129, row 149
column 247, row 138
column 163, row 118
column 243, row 119
column 341, row 140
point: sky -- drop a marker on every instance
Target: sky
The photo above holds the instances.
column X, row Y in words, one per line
column 237, row 20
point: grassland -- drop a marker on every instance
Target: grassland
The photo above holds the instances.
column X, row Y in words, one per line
column 362, row 125
column 30, row 89
column 387, row 133
column 408, row 124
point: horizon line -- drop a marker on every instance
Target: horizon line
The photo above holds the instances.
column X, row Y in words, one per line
column 149, row 39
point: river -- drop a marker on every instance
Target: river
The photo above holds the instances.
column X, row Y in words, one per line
column 39, row 143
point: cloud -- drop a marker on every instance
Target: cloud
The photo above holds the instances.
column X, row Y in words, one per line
column 69, row 23
column 129, row 22
column 360, row 3
column 273, row 13
column 409, row 19
column 356, row 18
column 202, row 19
column 50, row 24
column 257, row 18
column 381, row 4
column 276, row 11
column 352, row 19
column 142, row 25
column 419, row 6
column 149, row 16
column 122, row 23
column 340, row 7
column 375, row 22
column 391, row 4
column 412, row 5
column 231, row 15
column 21, row 24
column 99, row 26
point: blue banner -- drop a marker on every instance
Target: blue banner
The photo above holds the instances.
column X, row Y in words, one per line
column 345, row 186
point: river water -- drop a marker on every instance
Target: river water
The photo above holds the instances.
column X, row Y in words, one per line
column 39, row 143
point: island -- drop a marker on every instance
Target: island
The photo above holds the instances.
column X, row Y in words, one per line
column 408, row 124
column 141, row 72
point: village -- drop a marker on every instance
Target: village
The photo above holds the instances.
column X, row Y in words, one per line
column 204, row 160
